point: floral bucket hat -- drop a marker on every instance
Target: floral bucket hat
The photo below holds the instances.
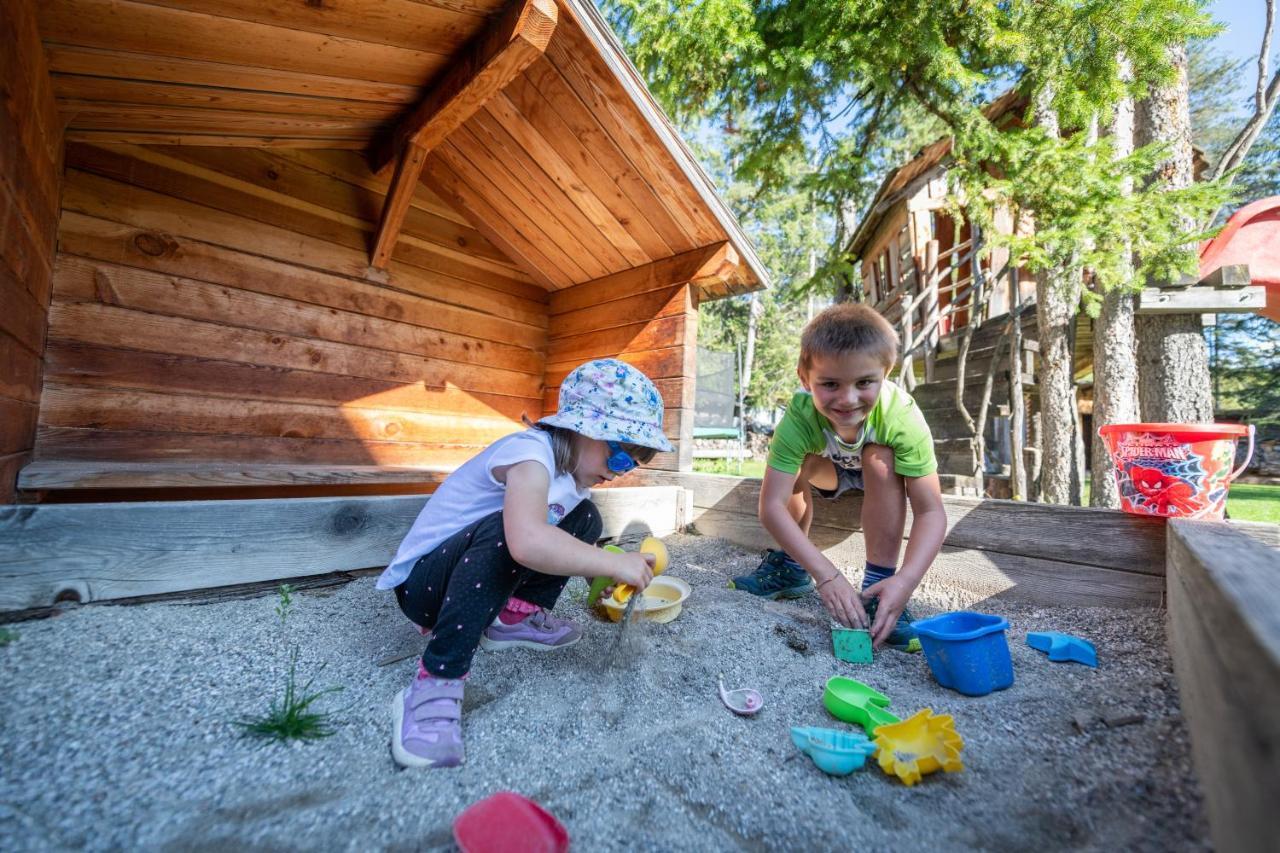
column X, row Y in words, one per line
column 610, row 400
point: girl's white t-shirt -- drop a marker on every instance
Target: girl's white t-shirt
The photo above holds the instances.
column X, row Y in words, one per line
column 470, row 493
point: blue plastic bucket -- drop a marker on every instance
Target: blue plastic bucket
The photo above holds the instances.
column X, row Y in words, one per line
column 967, row 652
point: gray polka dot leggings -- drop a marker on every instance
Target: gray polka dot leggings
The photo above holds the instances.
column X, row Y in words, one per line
column 458, row 589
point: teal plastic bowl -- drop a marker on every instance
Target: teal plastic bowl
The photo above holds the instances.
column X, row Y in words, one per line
column 967, row 652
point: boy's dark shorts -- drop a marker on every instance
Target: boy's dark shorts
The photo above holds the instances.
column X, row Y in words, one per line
column 847, row 479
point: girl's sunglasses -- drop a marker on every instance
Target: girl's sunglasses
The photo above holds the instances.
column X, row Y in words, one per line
column 620, row 461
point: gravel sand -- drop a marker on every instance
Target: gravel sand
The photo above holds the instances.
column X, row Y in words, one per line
column 117, row 732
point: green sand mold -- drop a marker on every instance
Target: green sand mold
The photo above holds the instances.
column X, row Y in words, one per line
column 854, row 702
column 598, row 585
column 852, row 645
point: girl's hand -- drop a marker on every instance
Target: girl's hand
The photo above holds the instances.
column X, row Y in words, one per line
column 842, row 602
column 893, row 593
column 632, row 568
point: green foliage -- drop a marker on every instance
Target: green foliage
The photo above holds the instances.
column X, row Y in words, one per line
column 290, row 718
column 1245, row 361
column 7, row 636
column 1247, row 502
column 730, row 467
column 837, row 83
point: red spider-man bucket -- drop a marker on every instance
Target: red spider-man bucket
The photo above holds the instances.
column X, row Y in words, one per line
column 1175, row 470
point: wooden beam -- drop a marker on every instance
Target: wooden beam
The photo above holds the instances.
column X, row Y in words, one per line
column 399, row 197
column 1228, row 275
column 1232, row 299
column 1224, row 635
column 488, row 64
column 96, row 552
column 698, row 266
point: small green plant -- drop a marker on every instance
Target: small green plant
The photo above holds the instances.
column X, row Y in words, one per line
column 290, row 718
column 7, row 636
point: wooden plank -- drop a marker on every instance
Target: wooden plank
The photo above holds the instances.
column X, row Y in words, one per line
column 110, row 367
column 29, row 125
column 235, row 80
column 520, row 135
column 50, row 475
column 693, row 266
column 1078, row 535
column 143, row 411
column 666, row 363
column 635, row 337
column 26, row 256
column 596, row 143
column 515, row 38
column 401, row 23
column 441, row 175
column 95, row 115
column 1224, row 635
column 98, row 552
column 80, row 280
column 143, row 28
column 501, row 187
column 131, row 137
column 975, row 575
column 96, row 240
column 163, row 251
column 134, row 446
column 1228, row 275
column 667, row 302
column 22, row 318
column 397, row 204
column 107, row 325
column 84, row 89
column 483, row 138
column 599, row 86
column 1202, row 300
column 167, row 216
column 529, row 116
column 354, row 202
column 19, row 371
column 17, row 425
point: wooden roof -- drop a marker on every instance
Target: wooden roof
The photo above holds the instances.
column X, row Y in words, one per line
column 566, row 163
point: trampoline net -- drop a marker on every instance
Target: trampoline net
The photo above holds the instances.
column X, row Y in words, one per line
column 717, row 394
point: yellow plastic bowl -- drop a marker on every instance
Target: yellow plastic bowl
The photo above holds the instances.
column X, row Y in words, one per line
column 662, row 601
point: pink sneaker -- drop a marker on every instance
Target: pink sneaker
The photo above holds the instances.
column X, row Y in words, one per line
column 539, row 630
column 428, row 723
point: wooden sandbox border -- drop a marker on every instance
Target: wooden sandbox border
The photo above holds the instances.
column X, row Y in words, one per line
column 1222, row 581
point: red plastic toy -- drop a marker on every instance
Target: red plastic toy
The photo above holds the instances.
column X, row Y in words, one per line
column 509, row 823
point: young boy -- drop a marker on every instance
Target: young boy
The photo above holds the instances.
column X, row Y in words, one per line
column 851, row 428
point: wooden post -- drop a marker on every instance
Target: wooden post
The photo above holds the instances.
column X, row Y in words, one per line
column 908, row 376
column 1017, row 412
column 930, row 313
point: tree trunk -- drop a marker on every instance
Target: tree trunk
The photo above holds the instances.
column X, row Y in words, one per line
column 1057, row 294
column 1173, row 359
column 754, row 310
column 1115, row 348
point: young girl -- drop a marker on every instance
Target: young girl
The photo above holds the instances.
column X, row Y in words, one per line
column 487, row 557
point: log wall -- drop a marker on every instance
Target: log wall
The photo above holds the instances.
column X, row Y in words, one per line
column 30, row 154
column 646, row 321
column 215, row 304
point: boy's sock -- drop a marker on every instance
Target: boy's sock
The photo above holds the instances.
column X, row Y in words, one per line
column 874, row 574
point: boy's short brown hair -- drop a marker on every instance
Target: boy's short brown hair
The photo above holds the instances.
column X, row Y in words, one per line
column 849, row 327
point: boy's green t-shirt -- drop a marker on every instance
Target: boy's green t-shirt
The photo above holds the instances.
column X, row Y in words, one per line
column 895, row 421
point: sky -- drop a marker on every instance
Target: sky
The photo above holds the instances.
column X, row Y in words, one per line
column 1244, row 20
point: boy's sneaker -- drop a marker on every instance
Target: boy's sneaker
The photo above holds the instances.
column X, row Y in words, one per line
column 903, row 636
column 777, row 576
column 428, row 723
column 539, row 631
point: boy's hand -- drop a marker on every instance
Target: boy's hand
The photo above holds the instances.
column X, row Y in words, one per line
column 842, row 602
column 893, row 592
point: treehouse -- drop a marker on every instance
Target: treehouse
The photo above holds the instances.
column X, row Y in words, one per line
column 925, row 270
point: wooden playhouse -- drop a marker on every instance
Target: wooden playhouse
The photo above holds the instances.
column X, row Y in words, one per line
column 270, row 270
